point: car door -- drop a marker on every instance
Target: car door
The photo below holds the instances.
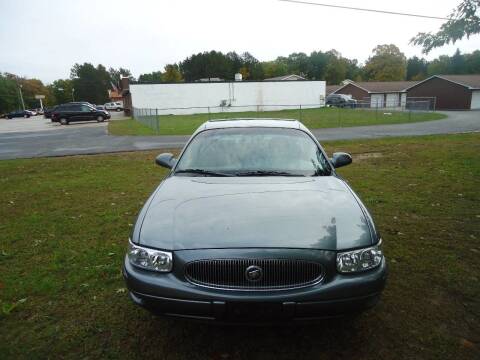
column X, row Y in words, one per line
column 87, row 113
column 75, row 112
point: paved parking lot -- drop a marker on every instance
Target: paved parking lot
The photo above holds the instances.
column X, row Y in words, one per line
column 36, row 137
column 39, row 123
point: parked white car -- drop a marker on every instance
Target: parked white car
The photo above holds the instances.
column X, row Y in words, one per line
column 117, row 106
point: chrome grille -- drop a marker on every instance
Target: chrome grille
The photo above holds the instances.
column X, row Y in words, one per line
column 276, row 273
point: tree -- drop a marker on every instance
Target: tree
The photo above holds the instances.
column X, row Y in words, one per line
column 472, row 62
column 416, row 68
column 30, row 88
column 153, row 77
column 9, row 93
column 172, row 74
column 317, row 66
column 336, row 70
column 116, row 76
column 273, row 69
column 298, row 63
column 441, row 65
column 463, row 22
column 90, row 83
column 457, row 63
column 61, row 90
column 254, row 70
column 388, row 63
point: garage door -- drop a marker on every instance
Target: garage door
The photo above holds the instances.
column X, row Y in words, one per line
column 475, row 100
column 392, row 100
column 376, row 100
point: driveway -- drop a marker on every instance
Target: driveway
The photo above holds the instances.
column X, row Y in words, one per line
column 92, row 138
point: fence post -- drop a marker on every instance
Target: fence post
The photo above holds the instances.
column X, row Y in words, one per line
column 209, row 117
column 257, row 110
column 157, row 121
column 300, row 112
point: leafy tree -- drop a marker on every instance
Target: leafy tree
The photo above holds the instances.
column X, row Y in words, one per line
column 336, row 70
column 236, row 63
column 9, row 93
column 215, row 64
column 457, row 63
column 30, row 88
column 463, row 22
column 273, row 69
column 116, row 76
column 416, row 68
column 472, row 62
column 172, row 74
column 90, row 83
column 61, row 90
column 153, row 77
column 440, row 65
column 388, row 63
column 253, row 66
column 317, row 68
column 298, row 63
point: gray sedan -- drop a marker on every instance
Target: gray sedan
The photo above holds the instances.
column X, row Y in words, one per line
column 253, row 224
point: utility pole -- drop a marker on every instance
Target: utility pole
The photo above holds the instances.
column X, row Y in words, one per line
column 73, row 92
column 21, row 96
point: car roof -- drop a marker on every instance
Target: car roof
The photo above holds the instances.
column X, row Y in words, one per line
column 251, row 122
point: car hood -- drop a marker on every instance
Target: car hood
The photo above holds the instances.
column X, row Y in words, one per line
column 259, row 212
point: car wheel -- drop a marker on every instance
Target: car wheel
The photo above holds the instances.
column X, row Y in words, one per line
column 63, row 121
column 100, row 119
column 118, row 109
column 26, row 116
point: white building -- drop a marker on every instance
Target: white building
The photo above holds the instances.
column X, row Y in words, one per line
column 231, row 96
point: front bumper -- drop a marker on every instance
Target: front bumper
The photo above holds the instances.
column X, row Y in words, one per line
column 170, row 294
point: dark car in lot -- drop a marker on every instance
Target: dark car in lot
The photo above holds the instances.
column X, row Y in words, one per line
column 66, row 113
column 253, row 224
column 19, row 113
column 340, row 100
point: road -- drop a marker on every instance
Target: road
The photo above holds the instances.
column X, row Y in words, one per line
column 92, row 138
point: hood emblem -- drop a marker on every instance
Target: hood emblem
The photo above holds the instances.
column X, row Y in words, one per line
column 254, row 273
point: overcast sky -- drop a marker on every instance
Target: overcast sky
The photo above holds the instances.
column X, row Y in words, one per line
column 43, row 39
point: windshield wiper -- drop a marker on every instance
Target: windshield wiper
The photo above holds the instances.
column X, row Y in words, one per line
column 202, row 172
column 266, row 173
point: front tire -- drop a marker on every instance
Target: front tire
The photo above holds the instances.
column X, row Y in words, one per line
column 63, row 121
column 100, row 118
column 118, row 109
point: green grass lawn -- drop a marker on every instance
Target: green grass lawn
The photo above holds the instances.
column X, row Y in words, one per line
column 312, row 118
column 64, row 224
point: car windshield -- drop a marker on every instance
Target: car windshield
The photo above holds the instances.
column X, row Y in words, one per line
column 253, row 152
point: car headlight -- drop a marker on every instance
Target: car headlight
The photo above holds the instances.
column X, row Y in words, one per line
column 150, row 259
column 359, row 260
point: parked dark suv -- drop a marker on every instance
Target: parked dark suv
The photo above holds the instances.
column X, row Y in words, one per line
column 340, row 100
column 67, row 113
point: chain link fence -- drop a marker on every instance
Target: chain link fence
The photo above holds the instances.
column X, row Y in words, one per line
column 174, row 120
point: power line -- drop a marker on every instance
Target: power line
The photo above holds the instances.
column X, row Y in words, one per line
column 364, row 9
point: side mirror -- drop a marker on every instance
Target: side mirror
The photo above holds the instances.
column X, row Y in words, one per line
column 340, row 159
column 165, row 160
